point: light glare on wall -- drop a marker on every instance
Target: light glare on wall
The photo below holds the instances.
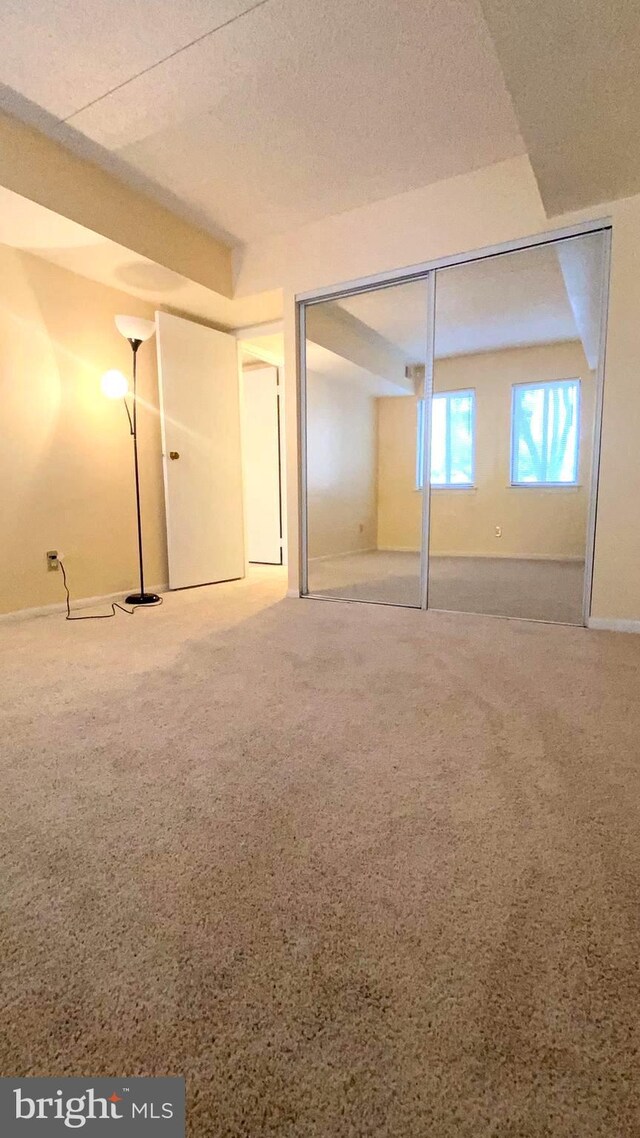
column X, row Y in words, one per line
column 114, row 384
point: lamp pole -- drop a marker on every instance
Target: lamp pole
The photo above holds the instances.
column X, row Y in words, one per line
column 136, row 331
column 140, row 598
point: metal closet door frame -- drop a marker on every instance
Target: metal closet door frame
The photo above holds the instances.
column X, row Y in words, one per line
column 427, row 396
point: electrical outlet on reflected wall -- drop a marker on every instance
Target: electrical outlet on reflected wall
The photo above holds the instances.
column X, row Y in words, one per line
column 53, row 561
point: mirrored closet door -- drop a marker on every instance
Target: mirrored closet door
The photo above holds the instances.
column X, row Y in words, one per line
column 365, row 360
column 450, row 430
column 517, row 342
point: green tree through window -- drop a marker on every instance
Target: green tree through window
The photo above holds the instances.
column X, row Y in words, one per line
column 545, row 431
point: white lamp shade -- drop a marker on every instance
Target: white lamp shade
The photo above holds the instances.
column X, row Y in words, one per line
column 114, row 384
column 135, row 328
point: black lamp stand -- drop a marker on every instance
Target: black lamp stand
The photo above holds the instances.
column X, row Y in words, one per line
column 140, row 598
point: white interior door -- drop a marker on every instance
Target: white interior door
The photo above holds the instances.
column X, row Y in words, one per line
column 261, row 448
column 200, row 410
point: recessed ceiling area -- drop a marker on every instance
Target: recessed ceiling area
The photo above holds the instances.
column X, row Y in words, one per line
column 277, row 113
column 251, row 118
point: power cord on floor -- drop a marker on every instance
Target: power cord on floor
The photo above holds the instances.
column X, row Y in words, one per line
column 98, row 616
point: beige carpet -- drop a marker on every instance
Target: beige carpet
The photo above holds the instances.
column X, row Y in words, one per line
column 497, row 586
column 352, row 870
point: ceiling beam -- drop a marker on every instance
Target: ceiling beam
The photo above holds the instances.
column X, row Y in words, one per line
column 581, row 266
column 46, row 172
column 337, row 331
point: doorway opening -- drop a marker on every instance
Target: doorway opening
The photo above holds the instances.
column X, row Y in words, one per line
column 262, row 443
column 221, row 420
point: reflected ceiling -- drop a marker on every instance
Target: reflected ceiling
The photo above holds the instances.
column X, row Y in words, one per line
column 541, row 295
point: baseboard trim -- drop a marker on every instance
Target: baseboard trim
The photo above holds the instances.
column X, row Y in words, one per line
column 492, row 556
column 80, row 603
column 610, row 624
column 396, row 549
column 516, row 557
column 346, row 553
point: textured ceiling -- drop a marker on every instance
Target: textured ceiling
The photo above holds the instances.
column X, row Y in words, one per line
column 254, row 117
column 290, row 110
column 572, row 67
column 65, row 55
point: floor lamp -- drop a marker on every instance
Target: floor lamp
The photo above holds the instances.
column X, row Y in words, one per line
column 136, row 331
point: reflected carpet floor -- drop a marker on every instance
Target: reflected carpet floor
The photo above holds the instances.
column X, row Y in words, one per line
column 492, row 586
column 351, row 870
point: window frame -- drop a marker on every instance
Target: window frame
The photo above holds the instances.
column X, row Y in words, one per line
column 420, row 439
column 545, row 384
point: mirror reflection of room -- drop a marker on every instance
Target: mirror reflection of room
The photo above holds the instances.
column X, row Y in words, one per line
column 516, row 348
column 365, row 360
column 510, row 421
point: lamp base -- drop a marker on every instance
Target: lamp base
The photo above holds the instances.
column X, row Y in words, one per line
column 142, row 599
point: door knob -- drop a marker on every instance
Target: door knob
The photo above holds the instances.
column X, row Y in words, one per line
column 173, row 455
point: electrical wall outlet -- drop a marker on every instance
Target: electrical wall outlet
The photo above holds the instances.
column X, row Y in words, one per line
column 53, row 561
column 498, row 531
